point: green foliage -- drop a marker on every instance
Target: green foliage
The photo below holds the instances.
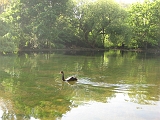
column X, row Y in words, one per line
column 6, row 44
column 7, row 41
column 144, row 19
column 28, row 24
column 100, row 19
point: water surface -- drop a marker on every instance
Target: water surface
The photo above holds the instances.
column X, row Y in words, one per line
column 111, row 85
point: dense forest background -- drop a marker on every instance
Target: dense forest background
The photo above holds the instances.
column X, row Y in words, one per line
column 57, row 24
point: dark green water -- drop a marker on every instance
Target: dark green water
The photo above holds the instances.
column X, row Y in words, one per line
column 111, row 85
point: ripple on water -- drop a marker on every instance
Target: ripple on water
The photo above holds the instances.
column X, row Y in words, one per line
column 118, row 88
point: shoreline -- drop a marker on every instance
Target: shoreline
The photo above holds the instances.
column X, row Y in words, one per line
column 153, row 51
column 91, row 49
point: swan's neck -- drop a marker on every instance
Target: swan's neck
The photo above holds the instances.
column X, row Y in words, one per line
column 63, row 77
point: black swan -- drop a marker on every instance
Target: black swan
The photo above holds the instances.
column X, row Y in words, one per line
column 68, row 79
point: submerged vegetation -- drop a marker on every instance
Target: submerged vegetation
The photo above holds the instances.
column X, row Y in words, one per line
column 50, row 24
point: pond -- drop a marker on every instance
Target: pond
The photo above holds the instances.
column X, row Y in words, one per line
column 112, row 85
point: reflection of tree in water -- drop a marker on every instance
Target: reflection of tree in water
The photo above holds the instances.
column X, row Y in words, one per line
column 41, row 101
column 144, row 94
column 45, row 99
column 39, row 92
column 86, row 93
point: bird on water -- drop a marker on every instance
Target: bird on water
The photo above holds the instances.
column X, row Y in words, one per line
column 69, row 78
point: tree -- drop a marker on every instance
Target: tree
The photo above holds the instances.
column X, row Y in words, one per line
column 40, row 24
column 3, row 5
column 101, row 19
column 39, row 19
column 8, row 41
column 144, row 19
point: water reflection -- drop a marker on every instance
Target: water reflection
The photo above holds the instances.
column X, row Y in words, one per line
column 117, row 108
column 31, row 86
